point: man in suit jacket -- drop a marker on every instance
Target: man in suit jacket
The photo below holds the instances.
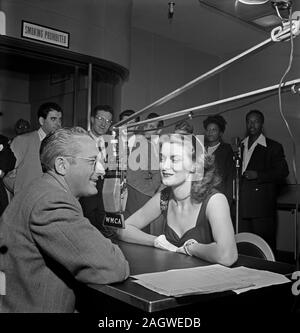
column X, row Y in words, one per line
column 7, row 162
column 263, row 168
column 46, row 243
column 26, row 148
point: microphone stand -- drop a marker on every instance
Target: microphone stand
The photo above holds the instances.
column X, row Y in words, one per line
column 114, row 188
column 237, row 159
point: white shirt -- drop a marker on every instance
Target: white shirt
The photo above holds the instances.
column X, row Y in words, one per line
column 41, row 134
column 248, row 152
column 211, row 150
column 100, row 143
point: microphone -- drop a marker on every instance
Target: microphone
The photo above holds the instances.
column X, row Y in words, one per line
column 171, row 9
column 114, row 190
column 236, row 145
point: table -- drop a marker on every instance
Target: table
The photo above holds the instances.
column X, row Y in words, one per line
column 130, row 297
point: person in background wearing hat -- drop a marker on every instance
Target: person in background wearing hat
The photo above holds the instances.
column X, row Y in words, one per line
column 214, row 129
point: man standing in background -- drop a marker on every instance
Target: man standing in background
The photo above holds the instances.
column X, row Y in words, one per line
column 263, row 168
column 26, row 148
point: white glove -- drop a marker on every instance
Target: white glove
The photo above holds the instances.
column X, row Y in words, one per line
column 162, row 243
column 185, row 247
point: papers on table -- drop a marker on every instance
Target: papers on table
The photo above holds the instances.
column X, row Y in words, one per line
column 260, row 278
column 207, row 279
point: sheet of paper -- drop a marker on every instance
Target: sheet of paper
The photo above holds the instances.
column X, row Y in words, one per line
column 259, row 278
column 204, row 279
column 207, row 279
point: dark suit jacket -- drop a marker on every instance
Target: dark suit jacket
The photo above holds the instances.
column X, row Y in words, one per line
column 225, row 169
column 50, row 246
column 7, row 163
column 258, row 196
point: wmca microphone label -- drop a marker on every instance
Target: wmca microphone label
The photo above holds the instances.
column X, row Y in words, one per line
column 114, row 220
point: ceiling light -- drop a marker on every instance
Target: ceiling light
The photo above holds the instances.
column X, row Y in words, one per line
column 267, row 21
column 253, row 2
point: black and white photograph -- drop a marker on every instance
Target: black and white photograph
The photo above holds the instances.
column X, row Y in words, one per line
column 150, row 164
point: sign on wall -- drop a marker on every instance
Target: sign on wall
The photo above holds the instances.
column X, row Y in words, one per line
column 45, row 34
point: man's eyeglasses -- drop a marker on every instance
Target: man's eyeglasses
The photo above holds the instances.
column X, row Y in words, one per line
column 107, row 122
column 93, row 160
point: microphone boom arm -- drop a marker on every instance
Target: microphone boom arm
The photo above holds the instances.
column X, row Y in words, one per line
column 278, row 32
column 293, row 84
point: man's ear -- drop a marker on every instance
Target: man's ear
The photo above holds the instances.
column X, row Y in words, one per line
column 61, row 165
column 41, row 121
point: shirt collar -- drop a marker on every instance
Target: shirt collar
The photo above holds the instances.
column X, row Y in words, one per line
column 215, row 146
column 260, row 140
column 41, row 134
column 96, row 138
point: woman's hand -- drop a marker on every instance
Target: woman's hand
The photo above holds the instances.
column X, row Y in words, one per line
column 161, row 243
column 185, row 248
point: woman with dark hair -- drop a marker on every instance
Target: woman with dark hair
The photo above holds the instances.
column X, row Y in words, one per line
column 223, row 154
column 196, row 216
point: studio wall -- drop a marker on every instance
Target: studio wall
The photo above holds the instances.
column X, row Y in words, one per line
column 159, row 66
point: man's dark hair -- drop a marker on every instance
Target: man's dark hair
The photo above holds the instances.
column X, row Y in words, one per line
column 127, row 113
column 106, row 108
column 215, row 119
column 45, row 108
column 155, row 115
column 257, row 112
